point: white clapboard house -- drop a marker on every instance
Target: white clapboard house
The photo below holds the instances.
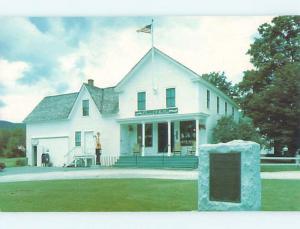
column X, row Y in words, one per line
column 159, row 111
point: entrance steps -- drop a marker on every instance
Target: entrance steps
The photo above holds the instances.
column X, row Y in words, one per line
column 179, row 162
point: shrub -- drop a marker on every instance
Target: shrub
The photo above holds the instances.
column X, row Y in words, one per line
column 21, row 162
column 227, row 130
column 2, row 166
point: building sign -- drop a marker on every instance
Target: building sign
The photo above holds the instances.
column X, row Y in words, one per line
column 157, row 112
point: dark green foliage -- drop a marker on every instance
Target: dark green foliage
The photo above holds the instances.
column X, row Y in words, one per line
column 10, row 141
column 21, row 162
column 271, row 92
column 227, row 130
column 2, row 166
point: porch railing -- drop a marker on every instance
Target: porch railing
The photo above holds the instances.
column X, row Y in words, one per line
column 69, row 156
column 108, row 160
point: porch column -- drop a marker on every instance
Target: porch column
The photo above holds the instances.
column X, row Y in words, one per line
column 169, row 138
column 197, row 138
column 143, row 139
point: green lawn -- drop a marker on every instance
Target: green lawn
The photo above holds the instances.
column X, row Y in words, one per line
column 12, row 162
column 128, row 195
column 278, row 168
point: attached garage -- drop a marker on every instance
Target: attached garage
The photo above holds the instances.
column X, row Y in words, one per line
column 57, row 147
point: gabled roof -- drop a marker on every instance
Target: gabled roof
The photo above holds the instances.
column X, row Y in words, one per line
column 51, row 108
column 58, row 107
column 106, row 99
column 195, row 76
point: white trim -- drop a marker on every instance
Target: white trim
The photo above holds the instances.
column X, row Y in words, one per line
column 169, row 138
column 195, row 77
column 143, row 139
column 164, row 117
column 77, row 99
column 78, row 95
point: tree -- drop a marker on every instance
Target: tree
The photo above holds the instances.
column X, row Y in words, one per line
column 271, row 92
column 220, row 80
column 10, row 140
column 227, row 130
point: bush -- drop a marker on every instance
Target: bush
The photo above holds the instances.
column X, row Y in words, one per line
column 2, row 166
column 227, row 130
column 21, row 162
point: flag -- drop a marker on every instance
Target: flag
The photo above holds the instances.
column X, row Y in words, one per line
column 146, row 29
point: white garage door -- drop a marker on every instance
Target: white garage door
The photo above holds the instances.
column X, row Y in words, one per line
column 57, row 147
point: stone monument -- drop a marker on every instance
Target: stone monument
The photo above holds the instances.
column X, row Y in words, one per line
column 229, row 177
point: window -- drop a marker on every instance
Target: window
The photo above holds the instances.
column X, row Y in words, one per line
column 225, row 108
column 85, row 107
column 170, row 97
column 141, row 101
column 207, row 99
column 148, row 135
column 77, row 138
column 218, row 105
column 232, row 112
column 187, row 133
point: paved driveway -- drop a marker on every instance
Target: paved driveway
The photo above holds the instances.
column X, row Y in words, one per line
column 40, row 173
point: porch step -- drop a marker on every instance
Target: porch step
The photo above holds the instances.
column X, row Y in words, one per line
column 184, row 162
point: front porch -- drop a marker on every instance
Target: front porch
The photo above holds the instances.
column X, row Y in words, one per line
column 163, row 135
column 162, row 161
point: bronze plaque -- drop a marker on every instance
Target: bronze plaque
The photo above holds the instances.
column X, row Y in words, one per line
column 225, row 177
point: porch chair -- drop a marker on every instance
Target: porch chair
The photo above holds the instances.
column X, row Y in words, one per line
column 177, row 149
column 192, row 150
column 136, row 149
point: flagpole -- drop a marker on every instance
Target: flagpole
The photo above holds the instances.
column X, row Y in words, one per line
column 152, row 33
column 152, row 59
column 152, row 45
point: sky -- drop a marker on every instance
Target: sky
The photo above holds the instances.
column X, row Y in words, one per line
column 41, row 56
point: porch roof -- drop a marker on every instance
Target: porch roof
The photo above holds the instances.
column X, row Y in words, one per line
column 164, row 117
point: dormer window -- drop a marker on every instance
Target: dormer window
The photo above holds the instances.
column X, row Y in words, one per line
column 85, row 107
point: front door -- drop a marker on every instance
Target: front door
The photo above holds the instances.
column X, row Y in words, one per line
column 162, row 137
column 34, row 155
column 89, row 143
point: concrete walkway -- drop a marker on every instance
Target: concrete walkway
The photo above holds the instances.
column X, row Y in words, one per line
column 38, row 173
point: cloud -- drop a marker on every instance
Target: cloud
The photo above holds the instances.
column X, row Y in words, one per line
column 2, row 104
column 208, row 44
column 40, row 56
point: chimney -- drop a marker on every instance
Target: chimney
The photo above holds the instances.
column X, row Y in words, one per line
column 90, row 82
